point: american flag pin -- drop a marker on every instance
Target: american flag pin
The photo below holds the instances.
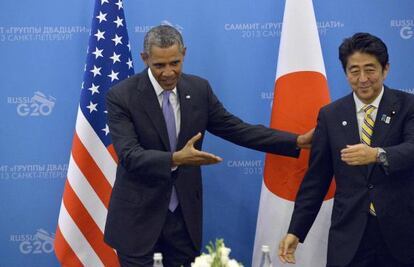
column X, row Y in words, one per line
column 344, row 123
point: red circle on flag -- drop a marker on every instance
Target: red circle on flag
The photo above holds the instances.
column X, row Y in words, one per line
column 297, row 100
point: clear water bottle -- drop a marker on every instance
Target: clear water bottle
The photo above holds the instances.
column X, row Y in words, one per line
column 265, row 260
column 157, row 260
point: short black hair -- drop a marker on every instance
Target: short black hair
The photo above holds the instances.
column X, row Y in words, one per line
column 163, row 36
column 364, row 43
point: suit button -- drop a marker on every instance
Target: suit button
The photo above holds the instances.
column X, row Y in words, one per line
column 370, row 186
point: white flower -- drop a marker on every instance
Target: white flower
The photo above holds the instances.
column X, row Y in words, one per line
column 218, row 256
column 224, row 252
column 202, row 261
column 233, row 263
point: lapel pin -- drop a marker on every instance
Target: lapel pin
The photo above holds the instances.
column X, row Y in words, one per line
column 393, row 112
column 187, row 96
column 385, row 118
column 344, row 123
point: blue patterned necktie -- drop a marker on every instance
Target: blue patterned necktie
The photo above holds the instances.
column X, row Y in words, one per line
column 169, row 117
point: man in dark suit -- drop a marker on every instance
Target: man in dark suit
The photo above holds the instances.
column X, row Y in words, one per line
column 366, row 141
column 157, row 120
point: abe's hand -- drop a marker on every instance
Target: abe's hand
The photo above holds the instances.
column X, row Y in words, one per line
column 188, row 155
column 305, row 140
column 359, row 154
column 287, row 248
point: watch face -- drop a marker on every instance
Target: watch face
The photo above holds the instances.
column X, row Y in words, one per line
column 382, row 157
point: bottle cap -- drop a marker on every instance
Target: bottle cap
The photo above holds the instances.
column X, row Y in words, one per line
column 157, row 256
column 265, row 248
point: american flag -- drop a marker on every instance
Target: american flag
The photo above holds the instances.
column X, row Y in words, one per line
column 92, row 164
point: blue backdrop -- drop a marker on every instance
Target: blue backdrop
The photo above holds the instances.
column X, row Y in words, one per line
column 232, row 43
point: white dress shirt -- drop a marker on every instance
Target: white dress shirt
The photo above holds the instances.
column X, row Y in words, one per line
column 175, row 103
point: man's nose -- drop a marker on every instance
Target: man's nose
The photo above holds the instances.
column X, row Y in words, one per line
column 168, row 71
column 363, row 77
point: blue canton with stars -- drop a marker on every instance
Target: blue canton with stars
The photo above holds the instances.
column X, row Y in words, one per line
column 108, row 62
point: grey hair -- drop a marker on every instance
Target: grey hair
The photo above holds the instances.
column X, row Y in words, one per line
column 163, row 36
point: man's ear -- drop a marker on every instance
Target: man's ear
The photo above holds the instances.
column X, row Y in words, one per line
column 184, row 50
column 385, row 70
column 144, row 57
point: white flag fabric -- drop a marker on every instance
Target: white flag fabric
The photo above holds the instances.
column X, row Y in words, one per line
column 300, row 90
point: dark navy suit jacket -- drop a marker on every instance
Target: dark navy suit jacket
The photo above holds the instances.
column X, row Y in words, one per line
column 142, row 189
column 391, row 190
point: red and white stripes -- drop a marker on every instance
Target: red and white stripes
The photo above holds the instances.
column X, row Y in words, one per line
column 91, row 175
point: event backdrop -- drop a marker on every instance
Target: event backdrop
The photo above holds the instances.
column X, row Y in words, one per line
column 232, row 43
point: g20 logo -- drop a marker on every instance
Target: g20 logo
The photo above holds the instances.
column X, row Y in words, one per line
column 42, row 243
column 407, row 32
column 40, row 105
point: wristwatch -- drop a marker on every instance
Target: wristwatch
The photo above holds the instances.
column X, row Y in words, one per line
column 382, row 157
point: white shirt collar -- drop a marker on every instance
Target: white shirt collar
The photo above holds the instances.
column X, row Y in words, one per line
column 359, row 104
column 157, row 87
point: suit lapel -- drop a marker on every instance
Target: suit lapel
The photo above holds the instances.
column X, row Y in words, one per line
column 387, row 108
column 185, row 110
column 349, row 118
column 148, row 99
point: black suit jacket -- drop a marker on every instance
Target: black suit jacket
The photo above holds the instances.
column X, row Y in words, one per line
column 391, row 189
column 141, row 193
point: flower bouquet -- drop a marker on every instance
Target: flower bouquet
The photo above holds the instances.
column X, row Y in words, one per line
column 218, row 256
